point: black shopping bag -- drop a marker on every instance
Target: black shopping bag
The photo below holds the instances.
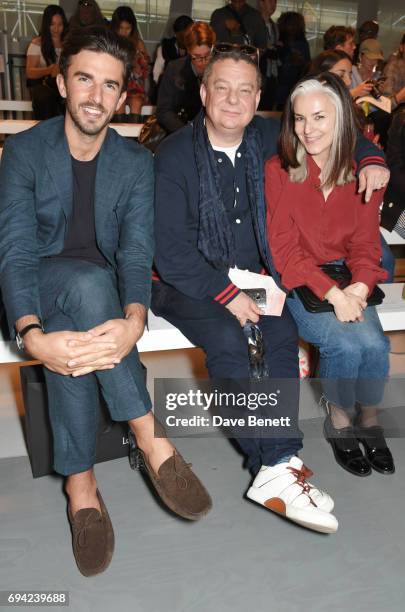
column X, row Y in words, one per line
column 112, row 437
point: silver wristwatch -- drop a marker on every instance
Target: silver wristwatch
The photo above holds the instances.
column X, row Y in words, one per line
column 20, row 335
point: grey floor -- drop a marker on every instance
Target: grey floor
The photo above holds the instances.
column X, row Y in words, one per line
column 240, row 557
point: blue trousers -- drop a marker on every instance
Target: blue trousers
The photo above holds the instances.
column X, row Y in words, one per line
column 387, row 260
column 353, row 356
column 212, row 327
column 76, row 296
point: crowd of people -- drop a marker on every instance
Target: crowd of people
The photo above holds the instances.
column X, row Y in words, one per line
column 44, row 51
column 283, row 52
column 94, row 230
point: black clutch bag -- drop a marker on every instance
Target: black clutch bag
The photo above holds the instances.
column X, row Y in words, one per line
column 342, row 275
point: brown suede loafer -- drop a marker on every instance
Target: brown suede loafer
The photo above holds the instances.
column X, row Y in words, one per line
column 93, row 539
column 178, row 486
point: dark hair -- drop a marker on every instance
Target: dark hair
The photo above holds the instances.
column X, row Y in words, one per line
column 338, row 169
column 326, row 60
column 181, row 23
column 336, row 35
column 124, row 13
column 97, row 14
column 236, row 56
column 291, row 26
column 368, row 29
column 99, row 39
column 47, row 48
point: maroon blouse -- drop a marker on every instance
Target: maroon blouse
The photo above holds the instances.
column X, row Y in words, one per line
column 304, row 231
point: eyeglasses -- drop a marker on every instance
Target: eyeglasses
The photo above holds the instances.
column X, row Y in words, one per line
column 250, row 50
column 84, row 3
column 201, row 59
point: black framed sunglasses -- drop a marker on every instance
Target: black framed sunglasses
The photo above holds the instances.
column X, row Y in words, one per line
column 250, row 50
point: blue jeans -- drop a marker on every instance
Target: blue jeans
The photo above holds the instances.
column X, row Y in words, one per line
column 387, row 260
column 353, row 356
column 76, row 296
column 212, row 327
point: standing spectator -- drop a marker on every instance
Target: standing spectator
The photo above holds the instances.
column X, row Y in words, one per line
column 171, row 48
column 179, row 92
column 123, row 22
column 42, row 64
column 367, row 70
column 368, row 29
column 394, row 73
column 239, row 23
column 370, row 53
column 294, row 54
column 269, row 58
column 340, row 37
column 87, row 13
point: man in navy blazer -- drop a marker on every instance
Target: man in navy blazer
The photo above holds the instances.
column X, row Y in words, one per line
column 76, row 247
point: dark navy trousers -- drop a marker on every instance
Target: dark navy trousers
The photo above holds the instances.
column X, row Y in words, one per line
column 213, row 328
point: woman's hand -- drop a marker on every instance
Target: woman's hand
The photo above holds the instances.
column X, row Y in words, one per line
column 348, row 307
column 361, row 90
column 53, row 70
column 359, row 289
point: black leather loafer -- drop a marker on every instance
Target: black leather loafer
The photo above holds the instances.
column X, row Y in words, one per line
column 377, row 452
column 346, row 449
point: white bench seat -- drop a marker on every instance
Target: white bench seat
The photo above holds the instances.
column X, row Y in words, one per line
column 18, row 106
column 392, row 237
column 15, row 126
column 392, row 310
column 162, row 336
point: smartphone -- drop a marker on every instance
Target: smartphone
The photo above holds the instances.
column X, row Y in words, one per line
column 258, row 296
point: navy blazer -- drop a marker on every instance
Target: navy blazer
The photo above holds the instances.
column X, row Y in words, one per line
column 36, row 193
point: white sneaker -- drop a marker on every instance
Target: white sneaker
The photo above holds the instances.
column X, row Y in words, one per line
column 283, row 489
column 321, row 499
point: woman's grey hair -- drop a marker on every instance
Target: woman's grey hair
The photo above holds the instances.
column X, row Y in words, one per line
column 338, row 146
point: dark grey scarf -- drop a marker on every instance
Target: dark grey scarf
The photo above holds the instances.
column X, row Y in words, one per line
column 215, row 238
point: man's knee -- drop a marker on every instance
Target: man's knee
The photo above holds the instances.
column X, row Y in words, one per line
column 92, row 287
column 280, row 330
column 226, row 346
